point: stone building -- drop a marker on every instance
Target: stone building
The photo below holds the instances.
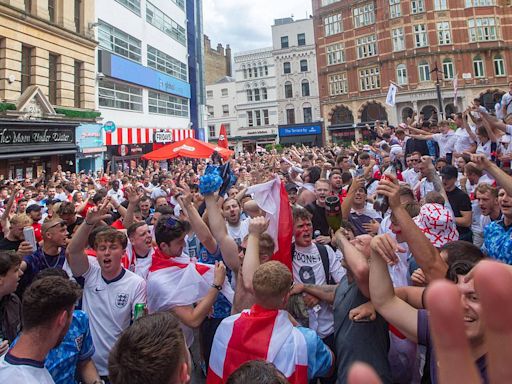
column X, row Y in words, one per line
column 217, row 62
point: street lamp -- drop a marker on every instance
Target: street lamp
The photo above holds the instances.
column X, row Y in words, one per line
column 438, row 90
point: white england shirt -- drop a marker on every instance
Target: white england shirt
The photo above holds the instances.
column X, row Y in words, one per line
column 23, row 371
column 238, row 232
column 110, row 306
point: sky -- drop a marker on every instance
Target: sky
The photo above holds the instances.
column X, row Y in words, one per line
column 246, row 24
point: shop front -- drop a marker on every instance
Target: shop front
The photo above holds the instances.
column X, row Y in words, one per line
column 307, row 134
column 29, row 148
column 90, row 148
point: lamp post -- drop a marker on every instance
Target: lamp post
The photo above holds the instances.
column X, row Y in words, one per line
column 438, row 90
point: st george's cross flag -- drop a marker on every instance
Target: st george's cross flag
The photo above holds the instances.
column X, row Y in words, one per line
column 175, row 281
column 391, row 96
column 272, row 198
column 223, row 138
column 258, row 334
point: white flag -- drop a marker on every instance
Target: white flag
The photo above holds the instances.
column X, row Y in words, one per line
column 455, row 89
column 390, row 98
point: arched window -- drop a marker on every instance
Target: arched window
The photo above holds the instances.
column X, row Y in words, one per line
column 249, row 95
column 478, row 67
column 264, row 95
column 424, row 71
column 307, row 113
column 305, row 88
column 401, row 74
column 245, row 71
column 499, row 66
column 249, row 71
column 288, row 90
column 257, row 94
column 448, row 70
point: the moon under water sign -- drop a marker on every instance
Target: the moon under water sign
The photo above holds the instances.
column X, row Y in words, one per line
column 109, row 126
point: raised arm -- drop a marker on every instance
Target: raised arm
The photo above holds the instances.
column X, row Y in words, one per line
column 434, row 178
column 356, row 261
column 425, row 254
column 346, row 205
column 467, row 127
column 75, row 255
column 257, row 227
column 484, row 164
column 133, row 200
column 227, row 244
column 394, row 310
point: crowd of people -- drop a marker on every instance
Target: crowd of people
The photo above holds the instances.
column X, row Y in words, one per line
column 383, row 261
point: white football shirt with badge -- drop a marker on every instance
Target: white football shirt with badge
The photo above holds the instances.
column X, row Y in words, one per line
column 110, row 305
column 308, row 269
column 23, row 371
column 139, row 265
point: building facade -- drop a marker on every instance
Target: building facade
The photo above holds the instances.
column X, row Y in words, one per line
column 363, row 46
column 47, row 83
column 298, row 102
column 256, row 97
column 217, row 62
column 222, row 110
column 150, row 73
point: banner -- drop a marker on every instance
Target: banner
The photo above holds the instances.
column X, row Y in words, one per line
column 391, row 97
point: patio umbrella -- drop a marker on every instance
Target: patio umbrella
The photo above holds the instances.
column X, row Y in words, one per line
column 189, row 147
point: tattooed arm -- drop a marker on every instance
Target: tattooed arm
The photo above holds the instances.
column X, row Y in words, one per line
column 321, row 292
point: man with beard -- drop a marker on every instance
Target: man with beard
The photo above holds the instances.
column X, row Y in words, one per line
column 47, row 310
column 317, row 209
column 487, row 197
column 237, row 228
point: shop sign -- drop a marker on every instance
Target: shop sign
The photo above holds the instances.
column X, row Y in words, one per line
column 14, row 136
column 136, row 149
column 299, row 131
column 109, row 126
column 258, row 133
column 163, row 137
column 123, row 150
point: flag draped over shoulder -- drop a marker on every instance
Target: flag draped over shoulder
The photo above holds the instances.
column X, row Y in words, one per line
column 258, row 334
column 272, row 198
column 174, row 282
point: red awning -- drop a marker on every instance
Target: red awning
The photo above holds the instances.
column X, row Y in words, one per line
column 190, row 147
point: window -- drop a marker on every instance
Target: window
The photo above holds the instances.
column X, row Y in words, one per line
column 257, row 115
column 443, row 33
column 448, row 69
column 179, row 3
column 225, row 110
column 119, row 96
column 264, row 95
column 290, row 116
column 255, row 71
column 417, row 6
column 209, row 94
column 28, row 6
column 395, row 9
column 287, row 68
column 303, row 65
column 308, row 114
column 288, row 90
column 211, row 111
column 78, row 15
column 164, row 23
column 499, row 65
column 401, row 74
column 166, row 104
column 424, row 71
column 52, row 78
column 266, row 120
column 335, row 53
column 266, row 69
column 369, row 78
column 249, row 70
column 256, row 94
column 224, row 92
column 77, row 83
column 480, row 3
column 249, row 95
column 440, row 5
column 364, row 15
column 333, row 24
column 397, row 37
column 338, row 84
column 26, row 67
column 478, row 67
column 245, row 71
column 420, row 36
column 119, row 42
column 482, row 29
column 250, row 121
column 132, row 5
column 228, row 129
column 51, row 10
column 211, row 130
column 305, row 88
column 327, row 2
column 167, row 64
column 284, row 41
column 301, row 39
column 366, row 46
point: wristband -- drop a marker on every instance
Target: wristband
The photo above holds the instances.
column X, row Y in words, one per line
column 85, row 221
column 217, row 287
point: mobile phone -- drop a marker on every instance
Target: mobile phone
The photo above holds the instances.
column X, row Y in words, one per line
column 363, row 320
column 30, row 236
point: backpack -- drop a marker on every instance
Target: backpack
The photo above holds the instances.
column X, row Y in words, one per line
column 324, row 256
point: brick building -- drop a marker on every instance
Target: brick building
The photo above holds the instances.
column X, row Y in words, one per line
column 362, row 46
column 217, row 61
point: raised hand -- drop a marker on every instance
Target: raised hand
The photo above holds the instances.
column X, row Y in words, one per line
column 219, row 274
column 132, row 195
column 258, row 225
column 97, row 214
column 388, row 186
column 386, row 247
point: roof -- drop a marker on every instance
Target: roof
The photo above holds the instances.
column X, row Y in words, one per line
column 225, row 79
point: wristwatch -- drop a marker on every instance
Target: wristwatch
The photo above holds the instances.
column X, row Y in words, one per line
column 217, row 287
column 98, row 382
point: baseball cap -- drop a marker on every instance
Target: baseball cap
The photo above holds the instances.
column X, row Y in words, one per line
column 291, row 187
column 449, row 171
column 33, row 208
column 366, row 147
column 437, row 223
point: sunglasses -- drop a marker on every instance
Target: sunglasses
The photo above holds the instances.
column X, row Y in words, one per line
column 172, row 223
column 61, row 223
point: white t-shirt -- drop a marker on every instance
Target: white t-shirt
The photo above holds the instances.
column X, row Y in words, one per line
column 463, row 141
column 399, row 272
column 140, row 265
column 425, row 187
column 507, row 100
column 116, row 195
column 110, row 307
column 446, row 142
column 484, row 148
column 308, row 269
column 411, row 177
column 17, row 371
column 239, row 231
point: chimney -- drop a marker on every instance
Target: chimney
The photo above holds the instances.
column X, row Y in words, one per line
column 220, row 49
column 229, row 71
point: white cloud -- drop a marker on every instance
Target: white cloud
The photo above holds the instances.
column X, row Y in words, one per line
column 246, row 24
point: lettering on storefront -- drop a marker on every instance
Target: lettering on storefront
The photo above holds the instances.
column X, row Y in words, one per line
column 36, row 136
column 258, row 133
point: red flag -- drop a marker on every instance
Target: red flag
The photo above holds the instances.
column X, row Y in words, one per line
column 223, row 138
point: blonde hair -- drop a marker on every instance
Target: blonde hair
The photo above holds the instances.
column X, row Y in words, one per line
column 271, row 282
column 21, row 219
